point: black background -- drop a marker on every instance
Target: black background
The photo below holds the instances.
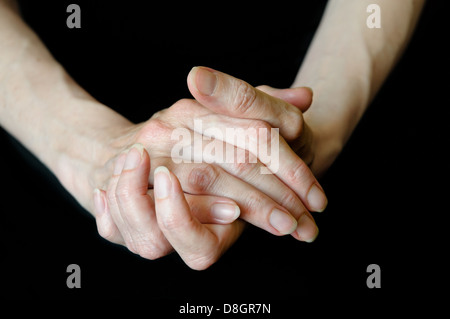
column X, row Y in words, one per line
column 387, row 190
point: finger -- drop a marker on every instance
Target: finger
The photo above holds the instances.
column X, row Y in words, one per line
column 242, row 162
column 197, row 112
column 265, row 144
column 105, row 224
column 211, row 209
column 136, row 207
column 256, row 207
column 111, row 200
column 300, row 97
column 227, row 95
column 199, row 246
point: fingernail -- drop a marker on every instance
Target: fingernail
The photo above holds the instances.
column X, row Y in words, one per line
column 99, row 204
column 120, row 161
column 282, row 221
column 225, row 212
column 307, row 230
column 163, row 183
column 134, row 157
column 316, row 199
column 205, row 81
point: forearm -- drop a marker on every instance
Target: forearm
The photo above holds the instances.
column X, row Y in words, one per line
column 47, row 111
column 347, row 63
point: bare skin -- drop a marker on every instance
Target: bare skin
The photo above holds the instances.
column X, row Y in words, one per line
column 87, row 145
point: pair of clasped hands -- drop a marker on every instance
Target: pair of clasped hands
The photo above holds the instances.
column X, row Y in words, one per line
column 200, row 209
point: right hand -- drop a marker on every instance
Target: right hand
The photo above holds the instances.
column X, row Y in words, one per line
column 199, row 228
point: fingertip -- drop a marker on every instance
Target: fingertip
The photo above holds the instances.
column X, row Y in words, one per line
column 300, row 97
column 317, row 200
column 106, row 227
column 237, row 212
column 282, row 221
column 304, row 98
column 139, row 147
column 162, row 169
column 162, row 183
column 309, row 89
column 191, row 77
column 307, row 229
column 225, row 213
column 134, row 172
column 134, row 157
column 203, row 80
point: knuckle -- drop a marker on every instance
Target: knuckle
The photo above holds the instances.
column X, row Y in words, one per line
column 171, row 223
column 262, row 131
column 149, row 252
column 260, row 125
column 107, row 232
column 123, row 193
column 111, row 197
column 154, row 129
column 146, row 248
column 159, row 114
column 298, row 173
column 241, row 165
column 183, row 105
column 203, row 261
column 288, row 199
column 130, row 217
column 245, row 97
column 156, row 125
column 203, row 178
column 253, row 200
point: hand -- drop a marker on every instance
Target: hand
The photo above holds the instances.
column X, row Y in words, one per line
column 198, row 245
column 266, row 107
column 134, row 220
column 301, row 141
column 124, row 225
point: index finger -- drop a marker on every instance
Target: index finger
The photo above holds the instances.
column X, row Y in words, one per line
column 228, row 95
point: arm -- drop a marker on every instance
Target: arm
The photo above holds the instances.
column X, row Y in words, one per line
column 82, row 141
column 346, row 65
column 48, row 112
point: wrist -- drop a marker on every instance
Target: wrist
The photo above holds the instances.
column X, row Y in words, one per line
column 339, row 101
column 326, row 147
column 82, row 154
column 332, row 118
